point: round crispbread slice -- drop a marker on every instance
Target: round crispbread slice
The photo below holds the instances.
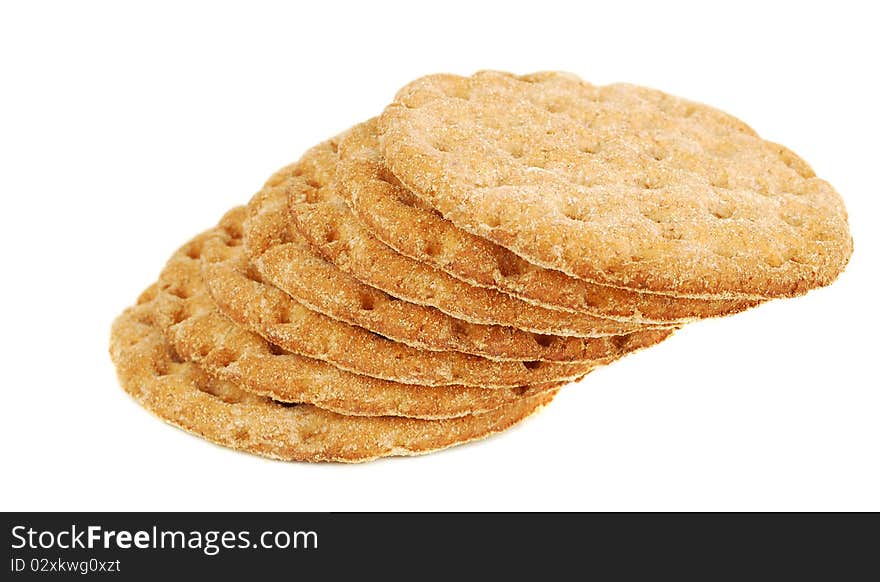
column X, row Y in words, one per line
column 619, row 185
column 197, row 330
column 327, row 223
column 182, row 394
column 240, row 293
column 283, row 258
column 400, row 220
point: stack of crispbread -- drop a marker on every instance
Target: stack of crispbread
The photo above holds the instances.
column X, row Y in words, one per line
column 435, row 274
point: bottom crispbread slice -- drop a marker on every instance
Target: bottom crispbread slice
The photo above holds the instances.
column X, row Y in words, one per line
column 182, row 394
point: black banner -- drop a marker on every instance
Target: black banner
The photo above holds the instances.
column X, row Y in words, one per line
column 126, row 546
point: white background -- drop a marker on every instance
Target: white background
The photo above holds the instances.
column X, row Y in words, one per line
column 124, row 131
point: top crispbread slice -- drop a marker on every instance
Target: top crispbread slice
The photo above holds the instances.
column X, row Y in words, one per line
column 397, row 218
column 619, row 185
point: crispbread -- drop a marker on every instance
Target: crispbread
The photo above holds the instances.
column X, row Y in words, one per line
column 327, row 223
column 285, row 260
column 618, row 185
column 184, row 299
column 293, row 327
column 396, row 217
column 182, row 394
column 197, row 330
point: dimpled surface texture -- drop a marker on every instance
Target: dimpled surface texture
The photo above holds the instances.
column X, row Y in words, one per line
column 288, row 324
column 183, row 395
column 284, row 259
column 327, row 223
column 197, row 330
column 620, row 185
column 400, row 220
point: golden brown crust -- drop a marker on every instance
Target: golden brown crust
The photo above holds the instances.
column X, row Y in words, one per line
column 285, row 260
column 618, row 185
column 399, row 219
column 326, row 222
column 183, row 395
